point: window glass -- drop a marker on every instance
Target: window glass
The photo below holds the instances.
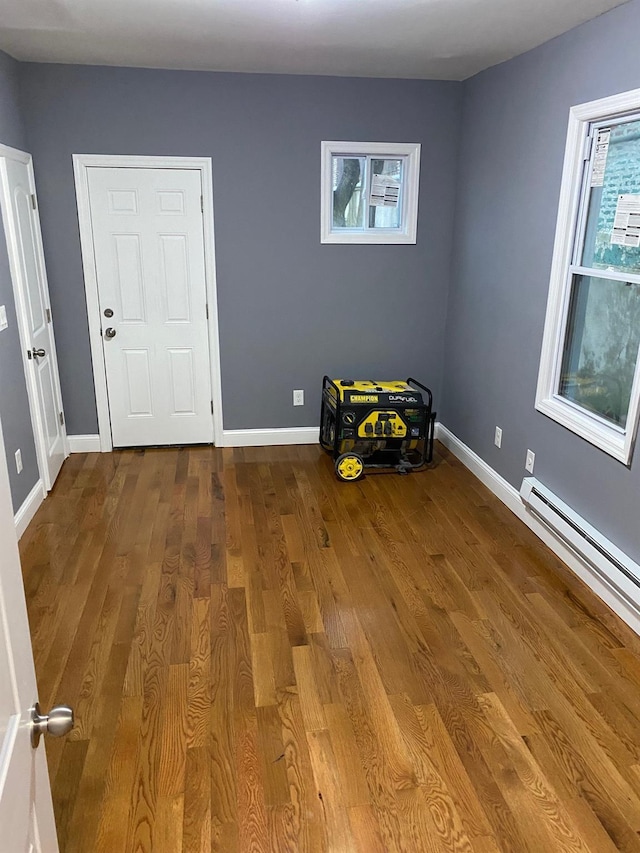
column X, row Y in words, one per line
column 367, row 192
column 349, row 182
column 385, row 201
column 601, row 346
column 612, row 235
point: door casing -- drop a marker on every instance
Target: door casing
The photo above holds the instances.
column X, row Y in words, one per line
column 81, row 164
column 21, row 310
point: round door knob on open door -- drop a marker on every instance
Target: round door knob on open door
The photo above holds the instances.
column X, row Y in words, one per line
column 39, row 353
column 109, row 333
column 58, row 722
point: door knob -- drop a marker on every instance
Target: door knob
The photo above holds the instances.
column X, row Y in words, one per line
column 109, row 333
column 39, row 353
column 58, row 722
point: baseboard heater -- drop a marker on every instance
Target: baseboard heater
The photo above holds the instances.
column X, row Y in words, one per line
column 612, row 565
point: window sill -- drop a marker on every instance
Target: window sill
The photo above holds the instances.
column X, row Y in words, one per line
column 612, row 440
column 360, row 239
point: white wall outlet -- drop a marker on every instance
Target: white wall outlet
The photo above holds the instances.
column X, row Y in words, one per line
column 18, row 461
column 298, row 398
column 498, row 437
column 4, row 323
column 530, row 461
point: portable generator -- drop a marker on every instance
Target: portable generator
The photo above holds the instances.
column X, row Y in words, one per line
column 369, row 424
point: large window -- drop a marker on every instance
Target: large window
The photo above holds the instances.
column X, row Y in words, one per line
column 589, row 376
column 369, row 192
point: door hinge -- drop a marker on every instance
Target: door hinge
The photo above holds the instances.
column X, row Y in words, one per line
column 33, row 201
column 206, row 310
column 61, row 419
column 48, row 312
column 201, row 204
column 212, row 407
column 588, row 146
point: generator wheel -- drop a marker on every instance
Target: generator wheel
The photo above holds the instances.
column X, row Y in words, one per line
column 349, row 467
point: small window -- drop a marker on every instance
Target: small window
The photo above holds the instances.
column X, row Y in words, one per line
column 369, row 192
column 589, row 373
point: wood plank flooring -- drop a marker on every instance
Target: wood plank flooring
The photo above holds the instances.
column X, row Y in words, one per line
column 264, row 659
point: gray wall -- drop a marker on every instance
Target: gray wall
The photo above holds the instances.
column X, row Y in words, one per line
column 14, row 404
column 513, row 135
column 290, row 309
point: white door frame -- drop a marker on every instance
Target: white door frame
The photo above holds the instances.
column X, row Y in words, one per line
column 13, row 247
column 81, row 164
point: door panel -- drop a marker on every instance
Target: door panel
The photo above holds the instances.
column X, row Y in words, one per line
column 36, row 332
column 123, row 201
column 129, row 288
column 149, row 256
column 33, row 292
column 47, row 384
column 138, row 375
column 182, row 373
column 174, row 276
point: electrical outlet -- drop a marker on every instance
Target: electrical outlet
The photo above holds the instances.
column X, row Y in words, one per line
column 298, row 398
column 498, row 437
column 530, row 461
column 18, row 461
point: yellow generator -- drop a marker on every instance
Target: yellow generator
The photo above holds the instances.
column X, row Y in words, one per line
column 369, row 424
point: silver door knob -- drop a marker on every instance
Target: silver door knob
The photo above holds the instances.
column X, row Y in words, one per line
column 109, row 333
column 58, row 722
column 39, row 353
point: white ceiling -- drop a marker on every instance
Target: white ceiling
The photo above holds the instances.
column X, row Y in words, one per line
column 437, row 39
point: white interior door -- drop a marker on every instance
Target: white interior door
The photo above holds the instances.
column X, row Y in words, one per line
column 26, row 813
column 24, row 243
column 150, row 266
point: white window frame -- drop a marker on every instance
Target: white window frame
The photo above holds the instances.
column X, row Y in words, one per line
column 612, row 439
column 406, row 151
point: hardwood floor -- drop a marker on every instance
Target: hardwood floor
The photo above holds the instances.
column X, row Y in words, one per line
column 264, row 659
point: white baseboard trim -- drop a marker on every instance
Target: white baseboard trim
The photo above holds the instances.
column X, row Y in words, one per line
column 264, row 437
column 622, row 605
column 29, row 508
column 84, row 443
column 485, row 473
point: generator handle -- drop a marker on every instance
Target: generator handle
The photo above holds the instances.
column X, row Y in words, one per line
column 424, row 388
column 331, row 382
